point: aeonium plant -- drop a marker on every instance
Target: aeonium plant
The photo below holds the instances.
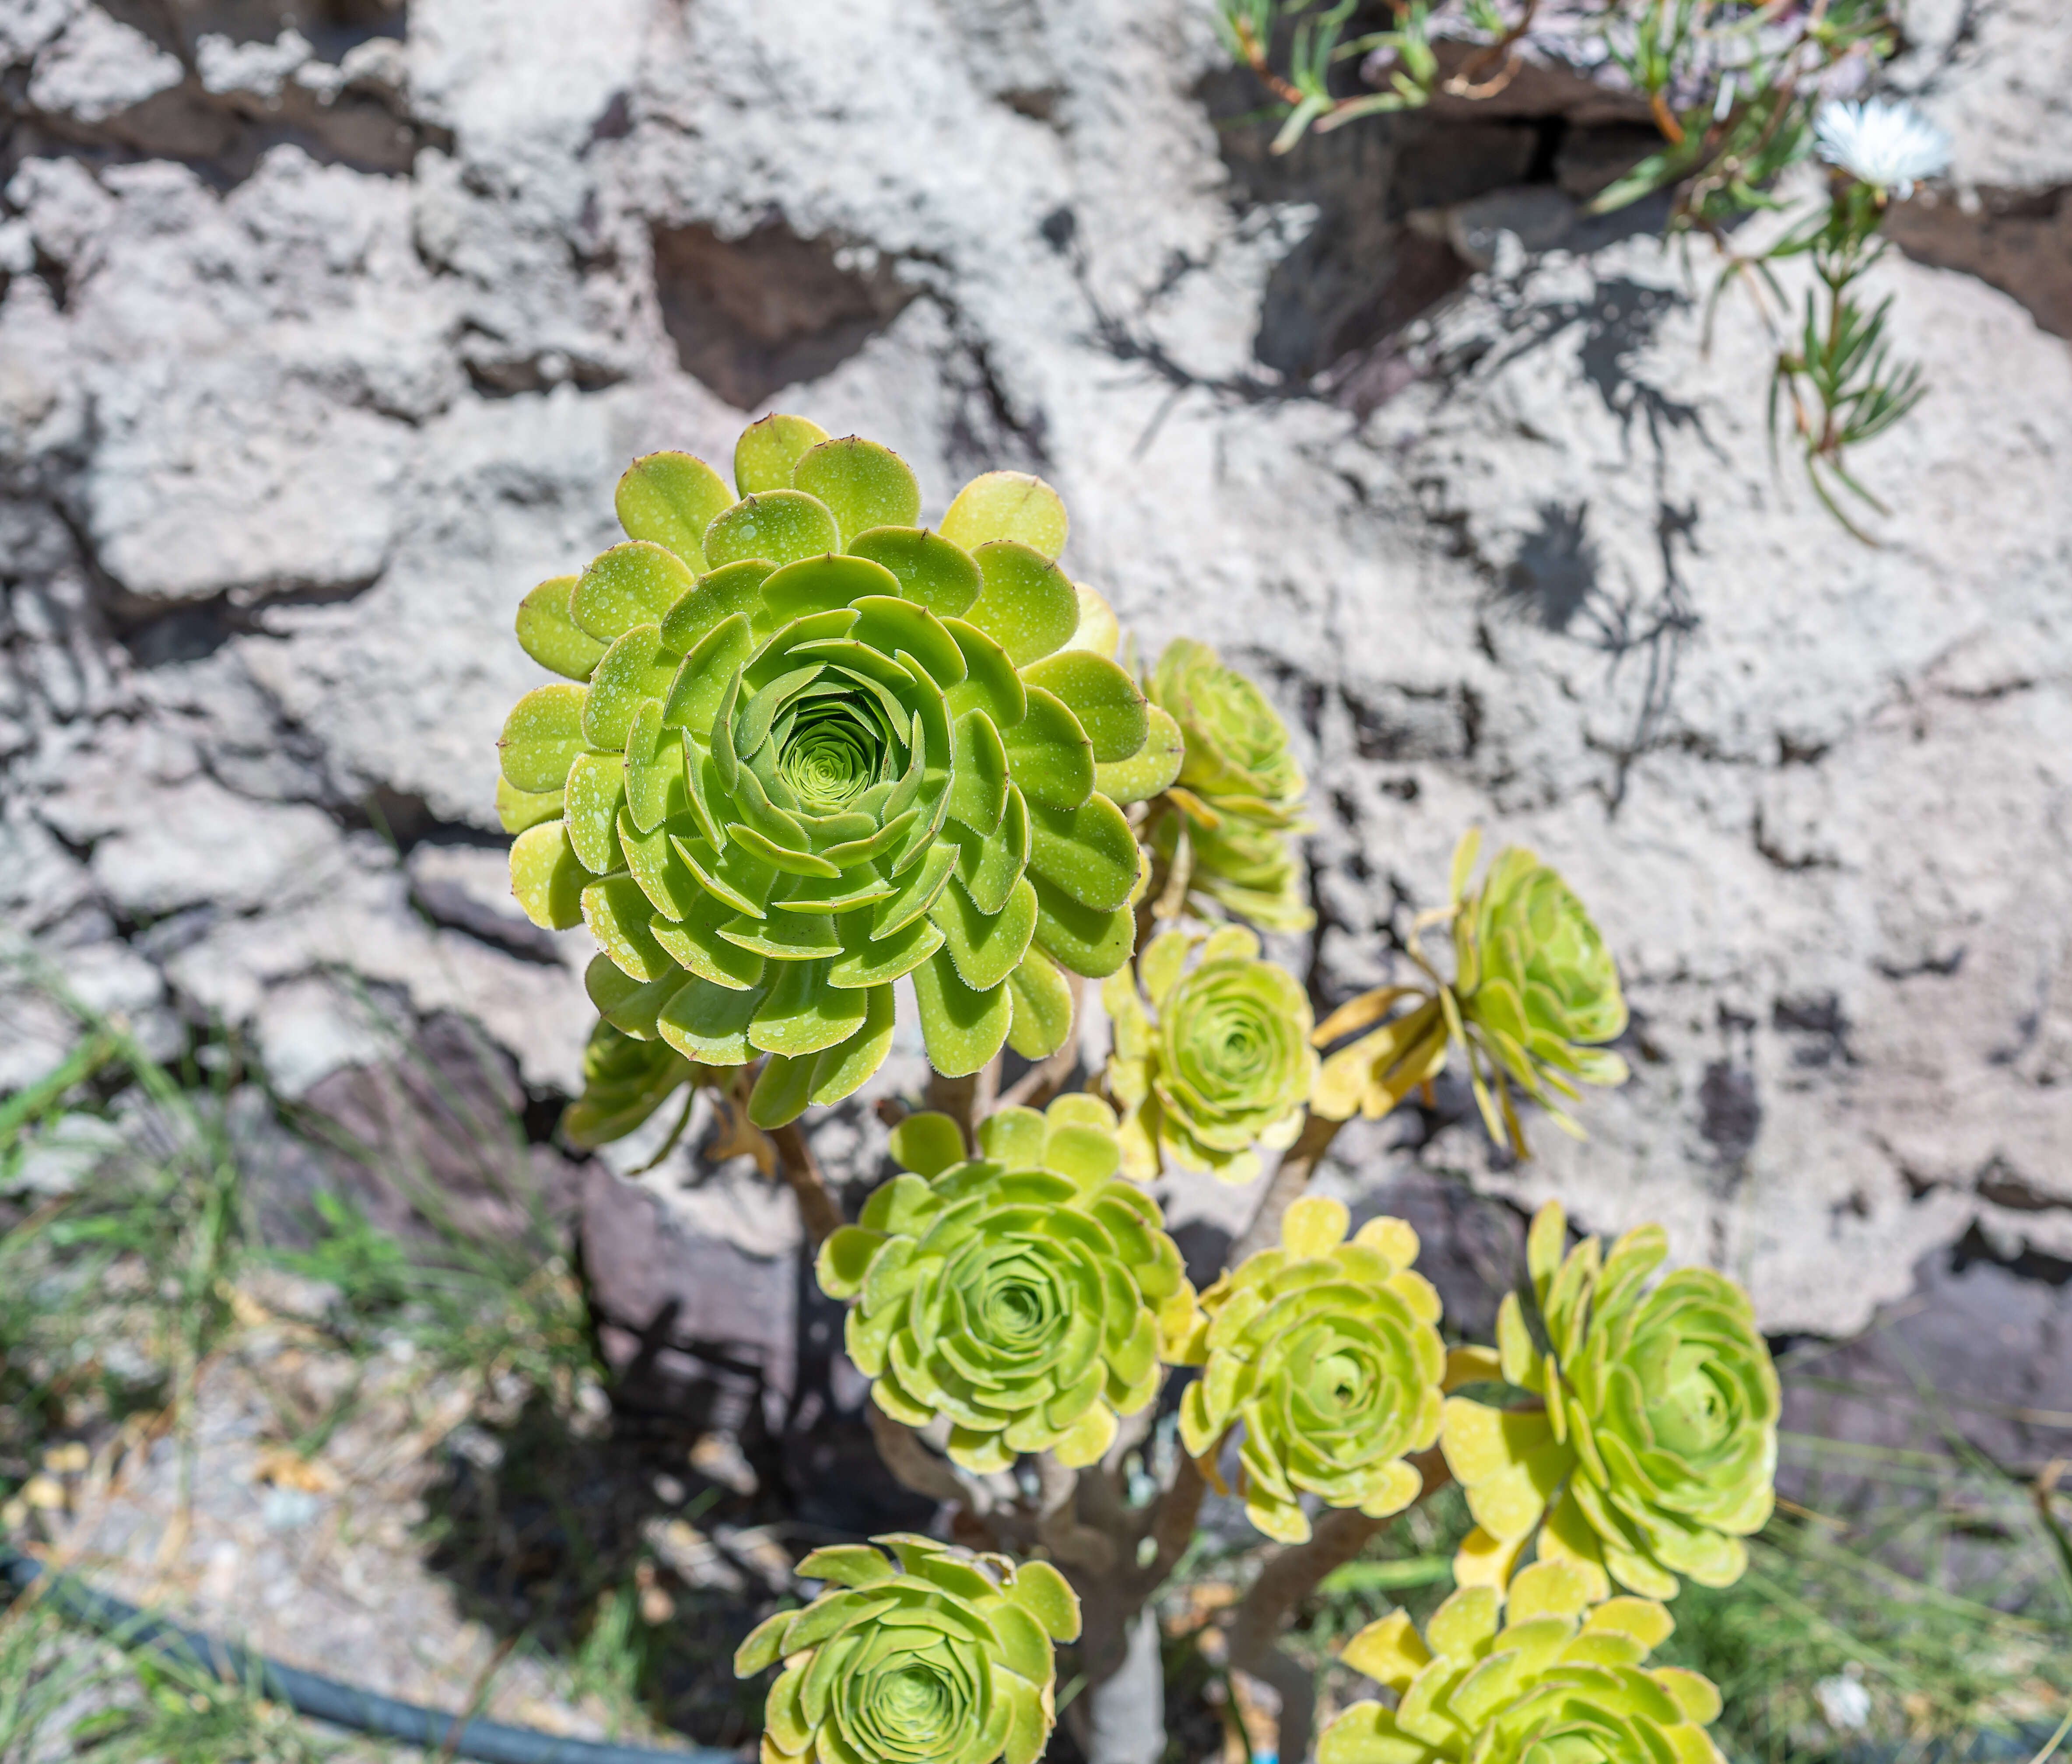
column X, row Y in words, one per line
column 1533, row 994
column 805, row 749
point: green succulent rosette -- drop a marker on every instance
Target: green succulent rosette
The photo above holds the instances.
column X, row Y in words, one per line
column 624, row 1082
column 1223, row 1067
column 1654, row 1451
column 1543, row 1678
column 1025, row 1295
column 1237, row 794
column 806, row 748
column 1533, row 988
column 1328, row 1354
column 938, row 1656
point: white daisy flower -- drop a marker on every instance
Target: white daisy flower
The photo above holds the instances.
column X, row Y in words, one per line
column 1882, row 142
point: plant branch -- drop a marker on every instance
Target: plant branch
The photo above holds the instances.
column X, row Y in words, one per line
column 1058, row 1525
column 1287, row 1580
column 1172, row 1523
column 967, row 1100
column 1505, row 49
column 913, row 1467
column 1297, row 1164
column 1255, row 58
column 818, row 1211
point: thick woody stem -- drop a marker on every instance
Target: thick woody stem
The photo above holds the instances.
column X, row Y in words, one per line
column 1058, row 1523
column 1297, row 1164
column 1283, row 1584
column 913, row 1466
column 1125, row 1722
column 1287, row 1580
column 1173, row 1528
column 967, row 1100
column 818, row 1211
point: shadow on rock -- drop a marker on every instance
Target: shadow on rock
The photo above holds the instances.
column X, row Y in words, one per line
column 735, row 1440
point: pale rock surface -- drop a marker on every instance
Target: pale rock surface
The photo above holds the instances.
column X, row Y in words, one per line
column 319, row 346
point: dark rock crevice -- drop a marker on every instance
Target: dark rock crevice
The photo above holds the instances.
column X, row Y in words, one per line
column 752, row 315
column 1409, row 205
column 325, row 75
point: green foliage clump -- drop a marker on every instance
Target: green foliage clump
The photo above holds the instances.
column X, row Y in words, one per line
column 1533, row 988
column 945, row 1658
column 1546, row 1677
column 1738, row 95
column 1328, row 1352
column 1235, row 805
column 1225, row 1065
column 1026, row 1294
column 805, row 748
column 1656, row 1452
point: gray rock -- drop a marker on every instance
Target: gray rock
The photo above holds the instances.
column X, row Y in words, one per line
column 296, row 402
column 97, row 65
column 1539, row 216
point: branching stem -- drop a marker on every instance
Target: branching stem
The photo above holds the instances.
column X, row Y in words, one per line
column 967, row 1100
column 1287, row 1580
column 1298, row 1163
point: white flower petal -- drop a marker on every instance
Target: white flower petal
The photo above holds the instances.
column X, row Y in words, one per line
column 1881, row 142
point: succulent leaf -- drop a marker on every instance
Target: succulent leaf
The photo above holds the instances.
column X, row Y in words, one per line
column 550, row 634
column 1548, row 1679
column 1024, row 1295
column 545, row 876
column 670, row 498
column 1327, row 1353
column 1658, row 1452
column 1008, row 505
column 1222, row 1062
column 768, row 452
column 785, row 774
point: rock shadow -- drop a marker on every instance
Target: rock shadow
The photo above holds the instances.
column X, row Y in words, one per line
column 753, row 314
column 234, row 79
column 734, row 1441
column 1408, row 206
column 1934, row 1426
column 2019, row 241
column 1554, row 574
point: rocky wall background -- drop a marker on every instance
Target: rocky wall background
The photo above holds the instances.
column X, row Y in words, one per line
column 326, row 326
